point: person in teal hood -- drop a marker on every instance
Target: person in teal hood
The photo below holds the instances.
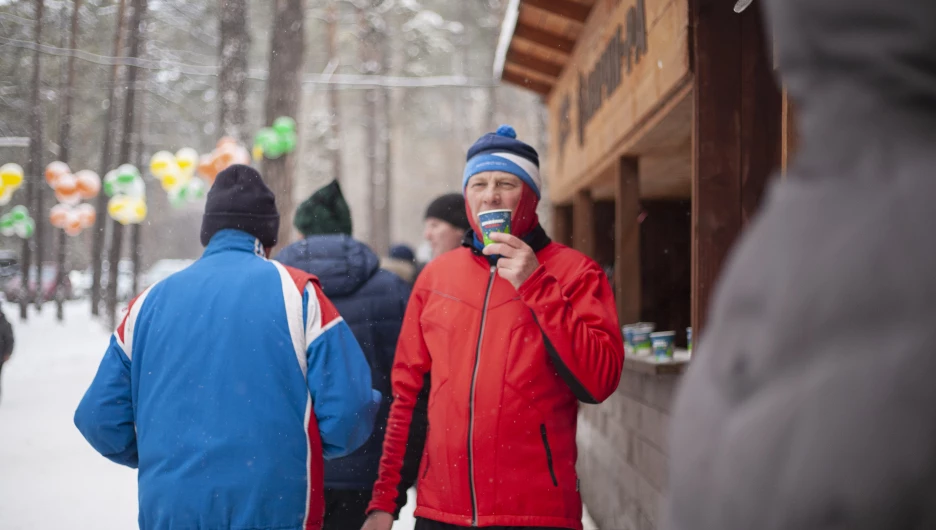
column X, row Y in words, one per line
column 372, row 302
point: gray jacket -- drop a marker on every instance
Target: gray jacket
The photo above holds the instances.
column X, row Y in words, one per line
column 811, row 403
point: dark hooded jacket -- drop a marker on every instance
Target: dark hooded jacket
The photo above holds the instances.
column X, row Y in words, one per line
column 372, row 301
column 810, row 402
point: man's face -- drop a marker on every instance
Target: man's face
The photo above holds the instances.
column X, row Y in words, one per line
column 493, row 190
column 442, row 236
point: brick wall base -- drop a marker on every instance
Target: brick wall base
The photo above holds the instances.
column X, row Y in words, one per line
column 622, row 461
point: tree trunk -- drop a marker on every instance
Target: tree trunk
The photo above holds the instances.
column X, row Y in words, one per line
column 64, row 152
column 232, row 81
column 384, row 199
column 97, row 244
column 39, row 233
column 139, row 150
column 284, row 90
column 382, row 205
column 334, row 107
column 34, row 180
column 126, row 143
column 373, row 60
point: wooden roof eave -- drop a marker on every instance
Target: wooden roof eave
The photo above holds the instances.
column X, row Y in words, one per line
column 560, row 45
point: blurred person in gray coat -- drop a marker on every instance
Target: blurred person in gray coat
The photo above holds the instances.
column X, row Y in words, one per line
column 811, row 403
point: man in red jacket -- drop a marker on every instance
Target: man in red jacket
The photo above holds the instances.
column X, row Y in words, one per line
column 513, row 336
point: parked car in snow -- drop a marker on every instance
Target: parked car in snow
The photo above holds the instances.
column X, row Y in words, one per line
column 41, row 287
column 9, row 263
column 162, row 269
column 82, row 280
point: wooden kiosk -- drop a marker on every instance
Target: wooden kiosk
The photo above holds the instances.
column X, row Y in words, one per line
column 665, row 124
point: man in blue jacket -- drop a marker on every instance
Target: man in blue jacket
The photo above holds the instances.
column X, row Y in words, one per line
column 372, row 302
column 229, row 382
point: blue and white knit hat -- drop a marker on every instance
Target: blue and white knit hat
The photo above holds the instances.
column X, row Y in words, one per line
column 501, row 151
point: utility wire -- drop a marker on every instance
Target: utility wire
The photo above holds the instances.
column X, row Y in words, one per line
column 349, row 80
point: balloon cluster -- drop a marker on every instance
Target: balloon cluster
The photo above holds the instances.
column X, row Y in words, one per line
column 73, row 219
column 18, row 223
column 226, row 153
column 176, row 173
column 11, row 178
column 127, row 191
column 70, row 189
column 276, row 141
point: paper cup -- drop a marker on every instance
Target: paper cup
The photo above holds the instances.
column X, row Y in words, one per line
column 641, row 341
column 494, row 221
column 663, row 345
column 628, row 332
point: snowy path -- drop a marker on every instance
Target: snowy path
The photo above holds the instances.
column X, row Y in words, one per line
column 49, row 476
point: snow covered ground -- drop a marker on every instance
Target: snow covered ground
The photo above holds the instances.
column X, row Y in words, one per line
column 49, row 476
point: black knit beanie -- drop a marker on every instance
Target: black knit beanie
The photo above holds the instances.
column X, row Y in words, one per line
column 325, row 212
column 451, row 209
column 241, row 201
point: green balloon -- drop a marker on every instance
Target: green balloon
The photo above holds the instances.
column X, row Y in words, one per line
column 26, row 229
column 288, row 142
column 284, row 124
column 19, row 210
column 6, row 221
column 274, row 149
column 126, row 178
column 128, row 169
column 109, row 188
column 177, row 198
column 195, row 190
column 265, row 138
column 18, row 216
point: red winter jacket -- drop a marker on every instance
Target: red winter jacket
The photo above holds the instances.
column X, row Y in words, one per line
column 507, row 370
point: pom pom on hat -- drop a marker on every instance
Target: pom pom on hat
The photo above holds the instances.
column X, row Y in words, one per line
column 506, row 130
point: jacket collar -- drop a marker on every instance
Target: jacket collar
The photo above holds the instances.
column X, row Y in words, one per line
column 537, row 239
column 234, row 240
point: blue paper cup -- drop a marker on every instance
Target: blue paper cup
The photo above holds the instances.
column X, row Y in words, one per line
column 628, row 332
column 663, row 345
column 641, row 340
column 494, row 221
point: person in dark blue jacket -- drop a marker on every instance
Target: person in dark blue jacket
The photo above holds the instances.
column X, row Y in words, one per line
column 229, row 382
column 372, row 302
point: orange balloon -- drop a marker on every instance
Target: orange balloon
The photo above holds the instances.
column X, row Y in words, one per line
column 58, row 216
column 87, row 184
column 73, row 227
column 54, row 171
column 66, row 184
column 205, row 167
column 66, row 189
column 224, row 159
column 87, row 215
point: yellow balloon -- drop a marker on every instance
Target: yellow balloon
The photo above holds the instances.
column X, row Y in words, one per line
column 6, row 195
column 257, row 153
column 116, row 206
column 11, row 176
column 161, row 163
column 187, row 159
column 139, row 210
column 170, row 182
